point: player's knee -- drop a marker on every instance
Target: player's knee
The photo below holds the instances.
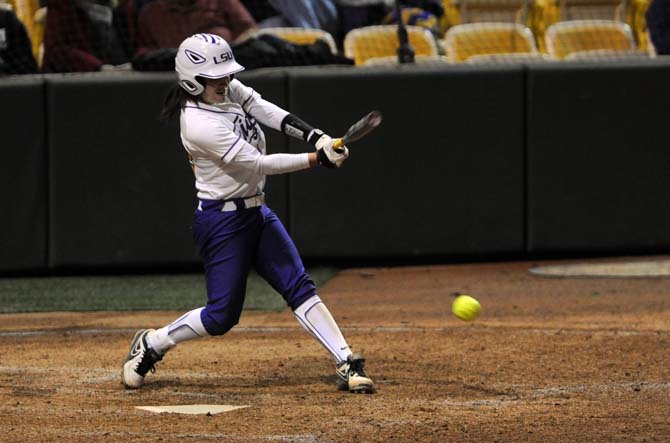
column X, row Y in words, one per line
column 302, row 290
column 218, row 324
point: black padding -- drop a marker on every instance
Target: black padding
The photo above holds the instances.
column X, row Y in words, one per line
column 598, row 158
column 442, row 175
column 122, row 190
column 23, row 188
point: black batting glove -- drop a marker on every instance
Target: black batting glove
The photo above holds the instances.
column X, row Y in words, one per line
column 323, row 160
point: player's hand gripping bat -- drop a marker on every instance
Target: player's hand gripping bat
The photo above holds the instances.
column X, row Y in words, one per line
column 359, row 129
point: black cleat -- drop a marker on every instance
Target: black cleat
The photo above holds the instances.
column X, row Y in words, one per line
column 351, row 375
column 140, row 360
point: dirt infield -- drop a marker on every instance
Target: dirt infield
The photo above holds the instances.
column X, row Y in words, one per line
column 549, row 360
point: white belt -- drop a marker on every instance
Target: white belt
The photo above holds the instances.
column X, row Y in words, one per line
column 249, row 202
column 232, row 205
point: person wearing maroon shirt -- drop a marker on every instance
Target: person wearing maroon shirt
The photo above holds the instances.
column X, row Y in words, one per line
column 166, row 23
column 81, row 35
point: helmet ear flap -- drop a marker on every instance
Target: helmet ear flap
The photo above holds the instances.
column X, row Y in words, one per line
column 201, row 80
column 189, row 86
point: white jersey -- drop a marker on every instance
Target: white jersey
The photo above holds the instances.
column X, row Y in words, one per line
column 223, row 139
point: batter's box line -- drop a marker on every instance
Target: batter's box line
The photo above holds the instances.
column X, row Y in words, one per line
column 382, row 329
column 522, row 393
column 239, row 330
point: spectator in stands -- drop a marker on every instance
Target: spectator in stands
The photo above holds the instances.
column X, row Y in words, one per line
column 658, row 25
column 316, row 14
column 81, row 35
column 164, row 24
column 359, row 13
column 423, row 13
column 259, row 9
column 16, row 55
column 435, row 7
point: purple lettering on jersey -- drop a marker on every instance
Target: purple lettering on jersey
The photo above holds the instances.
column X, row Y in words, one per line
column 247, row 128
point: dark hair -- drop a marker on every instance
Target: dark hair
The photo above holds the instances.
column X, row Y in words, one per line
column 177, row 97
column 174, row 101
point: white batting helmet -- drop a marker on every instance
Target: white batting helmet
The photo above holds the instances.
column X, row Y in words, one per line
column 204, row 55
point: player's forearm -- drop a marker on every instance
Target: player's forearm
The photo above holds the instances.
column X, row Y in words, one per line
column 296, row 127
column 313, row 159
column 282, row 163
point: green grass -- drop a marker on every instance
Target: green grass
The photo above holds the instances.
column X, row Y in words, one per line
column 130, row 293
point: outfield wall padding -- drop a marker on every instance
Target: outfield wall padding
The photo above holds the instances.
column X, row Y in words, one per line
column 443, row 174
column 598, row 158
column 121, row 185
column 470, row 162
column 23, row 175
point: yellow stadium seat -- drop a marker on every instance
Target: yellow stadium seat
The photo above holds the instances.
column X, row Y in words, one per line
column 473, row 39
column 25, row 11
column 543, row 13
column 637, row 20
column 536, row 14
column 40, row 22
column 547, row 12
column 363, row 43
column 475, row 11
column 608, row 54
column 564, row 38
column 520, row 57
column 592, row 9
column 450, row 18
column 300, row 36
column 393, row 60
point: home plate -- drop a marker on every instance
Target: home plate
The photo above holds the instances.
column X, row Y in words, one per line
column 192, row 409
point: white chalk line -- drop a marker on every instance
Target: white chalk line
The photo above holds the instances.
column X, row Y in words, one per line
column 297, row 438
column 383, row 329
column 520, row 394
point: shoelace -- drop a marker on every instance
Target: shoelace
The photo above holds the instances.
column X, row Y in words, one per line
column 148, row 362
column 146, row 365
column 356, row 367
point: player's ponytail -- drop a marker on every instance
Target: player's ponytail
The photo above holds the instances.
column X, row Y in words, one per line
column 173, row 103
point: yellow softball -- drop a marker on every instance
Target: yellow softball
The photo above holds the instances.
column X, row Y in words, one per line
column 466, row 308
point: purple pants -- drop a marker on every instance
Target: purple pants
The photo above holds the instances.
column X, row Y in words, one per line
column 230, row 243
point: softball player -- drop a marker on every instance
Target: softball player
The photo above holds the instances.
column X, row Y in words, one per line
column 232, row 227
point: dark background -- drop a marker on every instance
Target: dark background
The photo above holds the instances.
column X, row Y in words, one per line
column 471, row 163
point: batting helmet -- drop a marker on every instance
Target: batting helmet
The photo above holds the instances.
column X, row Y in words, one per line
column 206, row 56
